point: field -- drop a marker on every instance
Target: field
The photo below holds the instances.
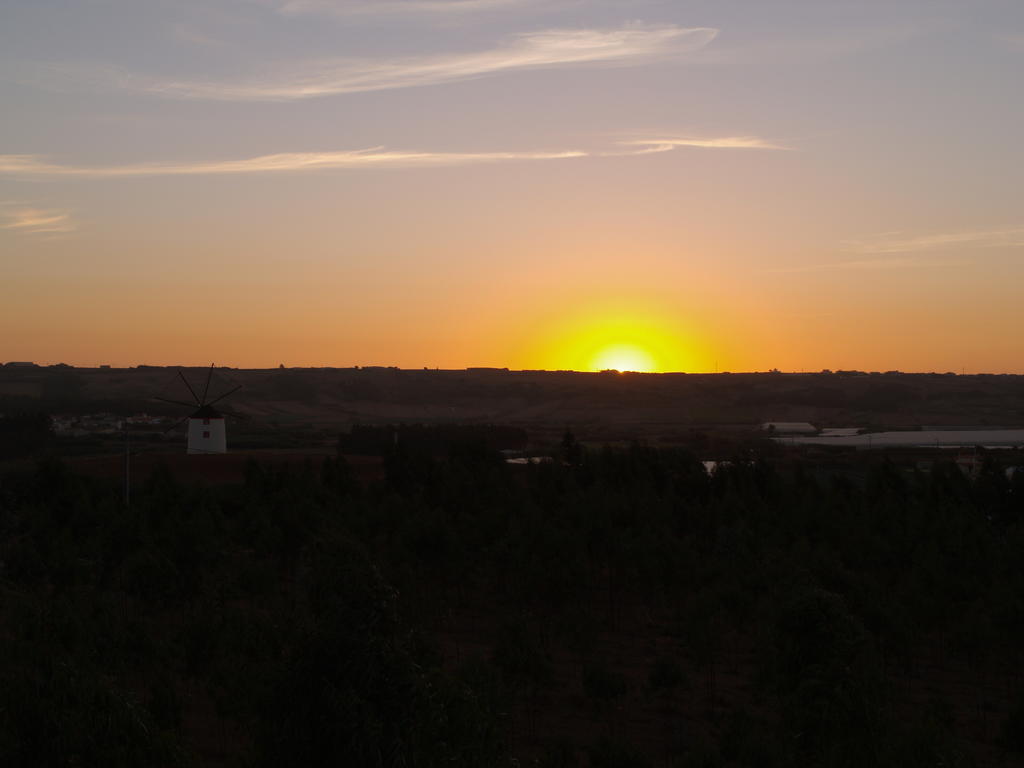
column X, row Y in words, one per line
column 601, row 407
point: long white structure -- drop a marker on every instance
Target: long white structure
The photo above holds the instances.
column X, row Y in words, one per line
column 916, row 439
column 789, row 428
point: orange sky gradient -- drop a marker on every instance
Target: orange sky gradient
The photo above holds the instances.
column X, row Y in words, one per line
column 704, row 186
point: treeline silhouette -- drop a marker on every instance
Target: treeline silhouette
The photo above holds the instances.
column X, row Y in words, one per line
column 613, row 608
column 25, row 433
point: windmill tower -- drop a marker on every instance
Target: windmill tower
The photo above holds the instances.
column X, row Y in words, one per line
column 207, row 432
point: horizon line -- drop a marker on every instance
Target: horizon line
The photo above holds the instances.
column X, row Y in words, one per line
column 16, row 364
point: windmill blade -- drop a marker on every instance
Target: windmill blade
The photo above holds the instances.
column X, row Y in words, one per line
column 198, row 401
column 229, row 392
column 207, row 387
column 174, row 426
column 174, row 402
column 236, row 415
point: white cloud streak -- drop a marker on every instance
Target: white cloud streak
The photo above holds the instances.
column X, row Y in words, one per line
column 538, row 50
column 396, row 7
column 34, row 166
column 35, row 221
column 652, row 146
column 897, row 243
column 377, row 157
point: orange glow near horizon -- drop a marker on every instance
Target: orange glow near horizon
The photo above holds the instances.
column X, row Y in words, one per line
column 624, row 357
column 624, row 338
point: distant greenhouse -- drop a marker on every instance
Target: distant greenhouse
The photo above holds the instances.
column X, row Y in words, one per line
column 953, row 438
column 789, row 428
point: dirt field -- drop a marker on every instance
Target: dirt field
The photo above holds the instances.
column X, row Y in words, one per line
column 607, row 407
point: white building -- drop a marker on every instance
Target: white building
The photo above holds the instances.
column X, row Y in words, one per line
column 206, row 432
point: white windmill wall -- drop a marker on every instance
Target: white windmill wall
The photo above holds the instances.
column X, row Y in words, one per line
column 207, row 435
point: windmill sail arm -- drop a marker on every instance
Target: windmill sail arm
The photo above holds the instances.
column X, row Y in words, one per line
column 182, row 375
column 175, row 402
column 175, row 425
column 206, row 389
column 229, row 392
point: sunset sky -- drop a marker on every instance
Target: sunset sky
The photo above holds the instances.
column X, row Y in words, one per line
column 676, row 185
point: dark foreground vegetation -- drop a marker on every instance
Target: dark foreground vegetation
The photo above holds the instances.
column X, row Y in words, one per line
column 614, row 608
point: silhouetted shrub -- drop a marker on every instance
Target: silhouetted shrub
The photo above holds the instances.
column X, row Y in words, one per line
column 614, row 753
column 601, row 683
column 665, row 675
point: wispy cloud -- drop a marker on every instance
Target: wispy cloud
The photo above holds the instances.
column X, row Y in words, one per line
column 31, row 166
column 857, row 265
column 376, row 157
column 650, row 146
column 396, row 7
column 896, row 250
column 551, row 48
column 189, row 34
column 1013, row 40
column 896, row 242
column 35, row 221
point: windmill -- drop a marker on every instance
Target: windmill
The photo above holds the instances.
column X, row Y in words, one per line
column 206, row 429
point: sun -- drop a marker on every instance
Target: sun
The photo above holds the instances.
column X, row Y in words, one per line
column 613, row 333
column 623, row 357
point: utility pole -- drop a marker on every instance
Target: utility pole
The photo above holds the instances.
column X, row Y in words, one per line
column 127, row 466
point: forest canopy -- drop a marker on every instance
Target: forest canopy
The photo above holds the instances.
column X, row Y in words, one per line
column 615, row 607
